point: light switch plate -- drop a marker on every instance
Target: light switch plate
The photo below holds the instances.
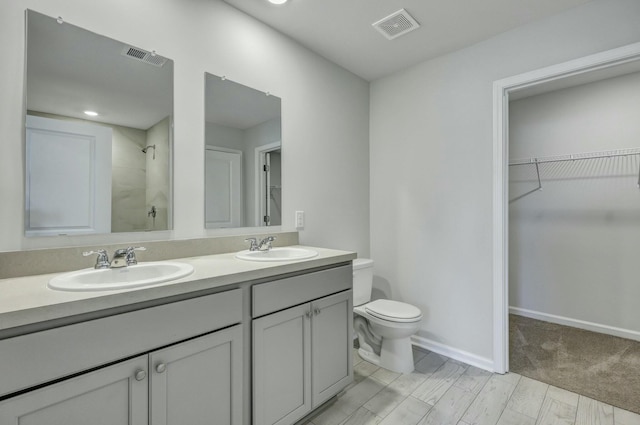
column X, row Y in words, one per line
column 299, row 219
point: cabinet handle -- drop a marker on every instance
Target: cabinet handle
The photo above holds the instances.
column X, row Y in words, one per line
column 308, row 314
column 140, row 375
column 161, row 367
column 317, row 311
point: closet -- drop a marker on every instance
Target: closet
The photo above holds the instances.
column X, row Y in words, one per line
column 574, row 230
column 574, row 205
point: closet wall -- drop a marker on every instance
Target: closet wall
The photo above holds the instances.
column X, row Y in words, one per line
column 573, row 246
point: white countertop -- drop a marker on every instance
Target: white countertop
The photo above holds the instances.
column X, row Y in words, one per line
column 28, row 300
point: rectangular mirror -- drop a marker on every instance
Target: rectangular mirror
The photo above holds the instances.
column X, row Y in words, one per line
column 243, row 146
column 98, row 133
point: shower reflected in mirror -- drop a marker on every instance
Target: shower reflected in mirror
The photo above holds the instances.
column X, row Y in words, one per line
column 92, row 105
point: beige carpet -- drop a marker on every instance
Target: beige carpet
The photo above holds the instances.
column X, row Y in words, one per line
column 603, row 367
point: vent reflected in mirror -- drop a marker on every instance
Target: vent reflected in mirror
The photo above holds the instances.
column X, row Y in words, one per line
column 94, row 107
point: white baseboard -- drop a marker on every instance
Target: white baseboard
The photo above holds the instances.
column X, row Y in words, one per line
column 580, row 324
column 453, row 353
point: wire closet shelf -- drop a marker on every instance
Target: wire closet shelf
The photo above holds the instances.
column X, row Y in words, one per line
column 583, row 171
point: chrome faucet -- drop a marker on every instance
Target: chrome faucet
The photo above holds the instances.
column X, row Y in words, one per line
column 102, row 261
column 125, row 256
column 263, row 245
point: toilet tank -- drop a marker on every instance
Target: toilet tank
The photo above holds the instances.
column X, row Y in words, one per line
column 362, row 280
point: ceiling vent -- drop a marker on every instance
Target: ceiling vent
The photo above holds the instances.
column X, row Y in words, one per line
column 396, row 24
column 143, row 56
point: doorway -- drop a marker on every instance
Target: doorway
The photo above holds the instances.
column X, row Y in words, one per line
column 578, row 71
column 269, row 185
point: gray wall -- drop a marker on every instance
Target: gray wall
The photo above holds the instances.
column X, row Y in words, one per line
column 572, row 246
column 210, row 36
column 431, row 167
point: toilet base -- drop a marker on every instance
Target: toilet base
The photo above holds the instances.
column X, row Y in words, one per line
column 396, row 355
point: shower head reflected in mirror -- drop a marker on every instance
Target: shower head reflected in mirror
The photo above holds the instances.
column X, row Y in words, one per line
column 146, row 148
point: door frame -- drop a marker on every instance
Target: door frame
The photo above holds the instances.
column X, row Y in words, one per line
column 501, row 90
column 260, row 183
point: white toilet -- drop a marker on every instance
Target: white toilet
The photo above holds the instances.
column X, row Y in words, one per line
column 384, row 327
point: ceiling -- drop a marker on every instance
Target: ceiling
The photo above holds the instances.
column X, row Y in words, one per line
column 341, row 31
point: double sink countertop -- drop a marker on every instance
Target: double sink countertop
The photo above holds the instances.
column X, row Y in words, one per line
column 27, row 300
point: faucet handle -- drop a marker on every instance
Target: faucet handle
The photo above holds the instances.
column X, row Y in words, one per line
column 265, row 244
column 254, row 244
column 102, row 261
column 131, row 254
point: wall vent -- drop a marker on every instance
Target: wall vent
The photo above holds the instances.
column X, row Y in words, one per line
column 396, row 24
column 144, row 56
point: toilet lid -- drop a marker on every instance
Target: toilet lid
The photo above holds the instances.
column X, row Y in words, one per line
column 394, row 311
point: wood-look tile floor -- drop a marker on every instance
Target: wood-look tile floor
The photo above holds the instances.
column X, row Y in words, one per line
column 442, row 391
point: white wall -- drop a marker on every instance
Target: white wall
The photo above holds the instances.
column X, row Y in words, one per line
column 210, row 36
column 431, row 168
column 224, row 137
column 573, row 245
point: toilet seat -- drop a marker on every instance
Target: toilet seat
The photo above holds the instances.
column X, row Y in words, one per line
column 393, row 311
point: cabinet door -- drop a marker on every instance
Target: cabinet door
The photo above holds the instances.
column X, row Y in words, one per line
column 107, row 396
column 281, row 366
column 331, row 330
column 199, row 381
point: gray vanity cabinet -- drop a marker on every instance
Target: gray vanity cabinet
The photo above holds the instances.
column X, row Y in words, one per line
column 282, row 366
column 196, row 381
column 301, row 354
column 187, row 383
column 108, row 396
column 331, row 346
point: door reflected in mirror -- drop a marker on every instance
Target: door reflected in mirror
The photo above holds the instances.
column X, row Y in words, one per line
column 243, row 138
column 98, row 133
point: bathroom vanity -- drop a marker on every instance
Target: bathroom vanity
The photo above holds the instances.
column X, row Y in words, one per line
column 301, row 343
column 241, row 342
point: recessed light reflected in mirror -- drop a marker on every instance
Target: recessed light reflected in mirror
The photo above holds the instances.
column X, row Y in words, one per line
column 278, row 2
column 85, row 91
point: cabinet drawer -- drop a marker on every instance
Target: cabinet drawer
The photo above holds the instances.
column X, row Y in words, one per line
column 40, row 357
column 280, row 294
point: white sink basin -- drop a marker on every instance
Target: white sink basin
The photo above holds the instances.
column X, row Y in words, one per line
column 121, row 278
column 277, row 254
